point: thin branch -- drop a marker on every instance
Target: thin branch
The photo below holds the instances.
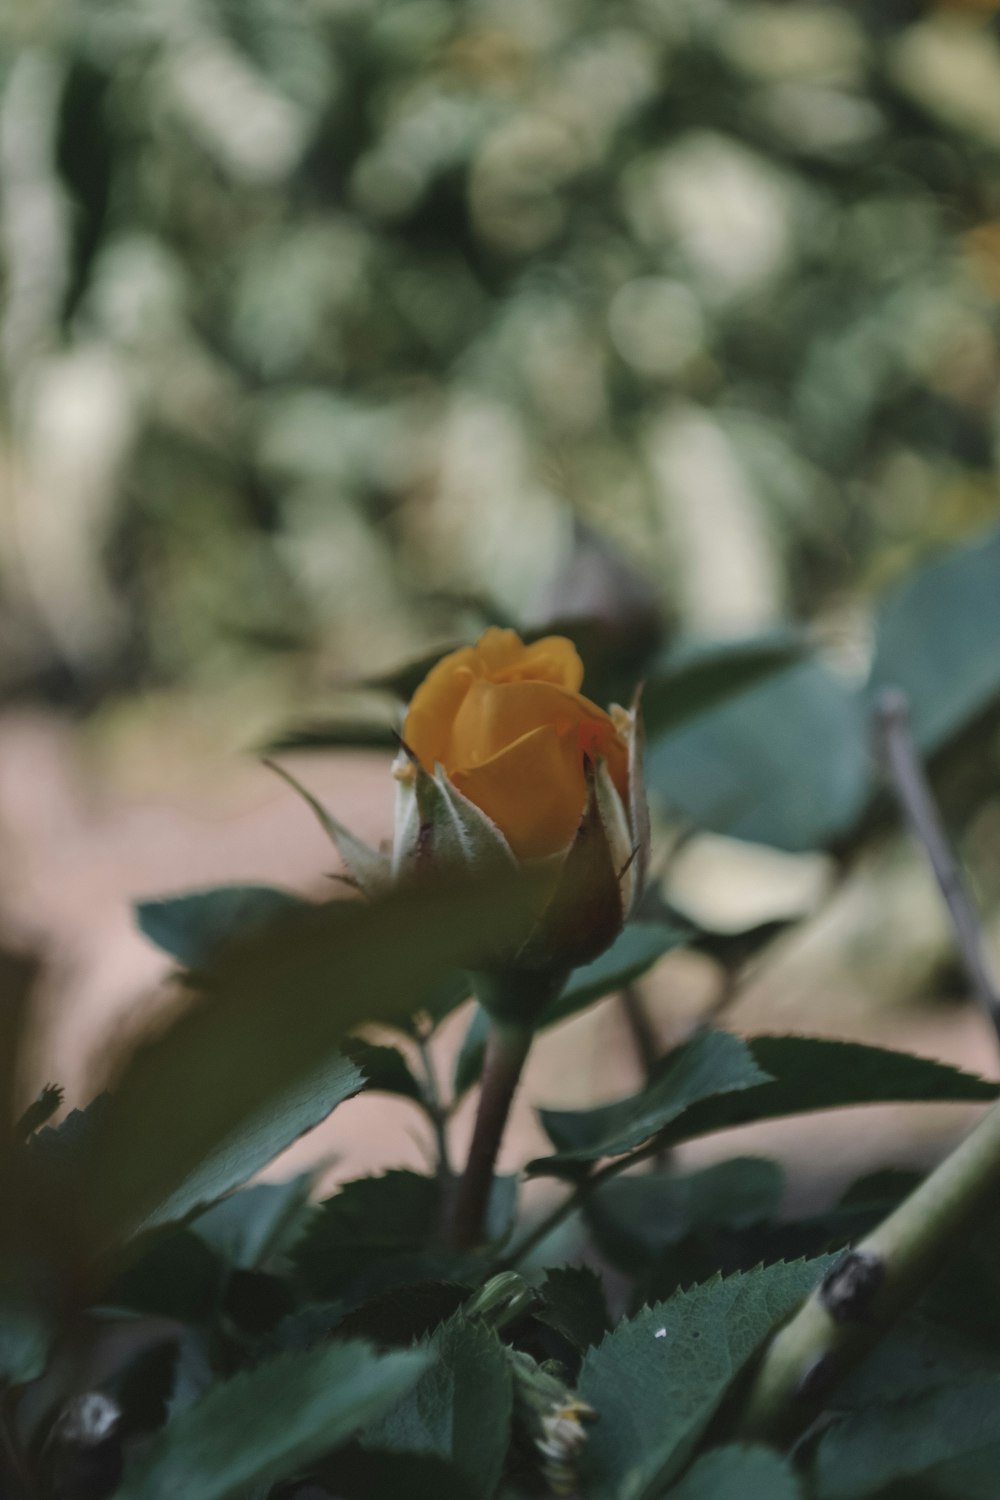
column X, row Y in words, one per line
column 575, row 1200
column 917, row 801
column 640, row 1029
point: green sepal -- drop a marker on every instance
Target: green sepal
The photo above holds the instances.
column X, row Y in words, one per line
column 515, row 996
column 369, row 867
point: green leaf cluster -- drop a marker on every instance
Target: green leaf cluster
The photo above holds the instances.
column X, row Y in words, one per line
column 172, row 1324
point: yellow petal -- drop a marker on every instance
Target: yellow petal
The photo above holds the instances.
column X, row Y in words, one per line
column 552, row 659
column 435, row 703
column 495, row 714
column 534, row 790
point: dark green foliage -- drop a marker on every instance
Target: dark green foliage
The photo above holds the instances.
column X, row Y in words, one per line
column 574, row 1304
column 178, row 1277
column 251, row 1344
column 716, row 1081
column 361, row 1474
column 279, row 1005
column 634, row 952
column 385, row 1069
column 193, row 926
column 659, row 1378
column 631, row 955
column 949, row 1435
column 691, row 681
column 367, row 1224
column 460, row 1408
column 738, row 1472
column 799, row 789
column 268, row 1423
column 712, row 1064
column 636, row 1219
column 232, row 1344
column 404, row 1313
column 258, row 1224
column 26, row 1334
column 936, row 637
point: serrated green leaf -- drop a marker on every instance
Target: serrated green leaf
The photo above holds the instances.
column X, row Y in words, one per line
column 193, row 925
column 800, row 1074
column 574, row 1304
column 633, row 953
column 935, row 638
column 460, row 1409
column 263, row 1425
column 786, row 763
column 367, row 1221
column 385, row 1069
column 250, row 1227
column 658, row 1378
column 955, row 1424
column 715, row 1062
column 398, row 1316
column 262, row 1040
column 700, row 675
column 636, row 1219
column 811, row 1073
column 738, row 1471
column 375, row 1223
column 262, row 1136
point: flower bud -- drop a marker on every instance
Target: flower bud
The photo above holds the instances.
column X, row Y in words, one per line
column 504, row 761
column 553, row 1418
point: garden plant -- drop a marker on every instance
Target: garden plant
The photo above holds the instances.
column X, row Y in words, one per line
column 170, row 1327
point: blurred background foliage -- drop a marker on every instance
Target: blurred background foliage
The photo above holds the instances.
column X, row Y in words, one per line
column 325, row 320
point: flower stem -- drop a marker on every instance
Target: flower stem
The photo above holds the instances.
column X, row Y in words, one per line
column 507, row 1047
column 856, row 1304
column 921, row 812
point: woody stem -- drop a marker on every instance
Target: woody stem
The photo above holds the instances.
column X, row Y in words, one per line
column 507, row 1047
column 858, row 1302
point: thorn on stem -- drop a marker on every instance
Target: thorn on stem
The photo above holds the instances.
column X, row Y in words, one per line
column 847, row 1289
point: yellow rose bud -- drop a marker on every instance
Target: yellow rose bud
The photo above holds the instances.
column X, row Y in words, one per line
column 505, row 762
column 504, row 758
column 510, row 728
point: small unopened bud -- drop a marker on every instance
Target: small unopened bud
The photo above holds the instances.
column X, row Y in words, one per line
column 502, row 1300
column 554, row 1417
